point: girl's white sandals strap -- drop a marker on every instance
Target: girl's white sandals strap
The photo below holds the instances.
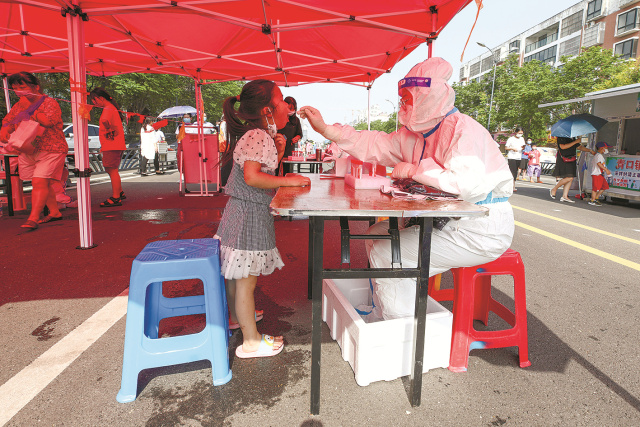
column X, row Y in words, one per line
column 265, row 349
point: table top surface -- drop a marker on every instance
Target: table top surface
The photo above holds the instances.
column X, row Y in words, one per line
column 332, row 197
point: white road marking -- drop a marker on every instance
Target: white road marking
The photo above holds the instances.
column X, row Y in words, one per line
column 16, row 393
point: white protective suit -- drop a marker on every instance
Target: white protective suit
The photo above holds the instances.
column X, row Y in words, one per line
column 459, row 157
column 148, row 142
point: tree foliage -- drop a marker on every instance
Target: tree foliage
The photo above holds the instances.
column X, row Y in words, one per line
column 520, row 89
column 146, row 94
column 387, row 126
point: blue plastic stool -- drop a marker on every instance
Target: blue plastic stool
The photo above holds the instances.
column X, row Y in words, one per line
column 165, row 261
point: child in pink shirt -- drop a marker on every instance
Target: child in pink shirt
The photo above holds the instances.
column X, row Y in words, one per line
column 533, row 169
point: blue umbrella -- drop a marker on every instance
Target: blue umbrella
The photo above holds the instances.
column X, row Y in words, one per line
column 177, row 111
column 576, row 125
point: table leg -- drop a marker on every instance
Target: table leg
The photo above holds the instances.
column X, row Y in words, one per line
column 317, row 226
column 8, row 178
column 310, row 261
column 420, row 314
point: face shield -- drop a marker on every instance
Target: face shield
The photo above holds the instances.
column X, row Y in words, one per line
column 432, row 98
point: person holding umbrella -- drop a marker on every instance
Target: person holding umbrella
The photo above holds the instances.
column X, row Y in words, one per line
column 566, row 166
column 567, row 130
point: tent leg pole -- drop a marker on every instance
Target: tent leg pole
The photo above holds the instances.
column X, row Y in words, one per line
column 78, row 78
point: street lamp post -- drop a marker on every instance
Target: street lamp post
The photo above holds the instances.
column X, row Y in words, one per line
column 394, row 110
column 493, row 83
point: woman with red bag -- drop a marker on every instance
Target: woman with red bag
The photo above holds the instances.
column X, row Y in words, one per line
column 45, row 165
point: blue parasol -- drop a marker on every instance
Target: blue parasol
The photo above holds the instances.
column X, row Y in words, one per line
column 576, row 125
column 177, row 111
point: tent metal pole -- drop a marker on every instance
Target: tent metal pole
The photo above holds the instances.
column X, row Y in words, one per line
column 6, row 93
column 368, row 107
column 434, row 26
column 201, row 142
column 16, row 183
column 78, row 80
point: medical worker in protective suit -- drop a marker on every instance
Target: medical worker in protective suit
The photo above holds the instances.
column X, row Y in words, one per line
column 443, row 148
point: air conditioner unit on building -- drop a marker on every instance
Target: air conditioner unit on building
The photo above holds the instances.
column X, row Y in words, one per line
column 593, row 35
column 623, row 3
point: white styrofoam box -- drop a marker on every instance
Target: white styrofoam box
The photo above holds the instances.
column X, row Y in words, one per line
column 381, row 350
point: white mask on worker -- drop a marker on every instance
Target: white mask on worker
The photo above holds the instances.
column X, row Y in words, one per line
column 605, row 151
column 272, row 129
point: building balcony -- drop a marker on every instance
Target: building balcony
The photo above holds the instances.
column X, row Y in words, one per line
column 533, row 46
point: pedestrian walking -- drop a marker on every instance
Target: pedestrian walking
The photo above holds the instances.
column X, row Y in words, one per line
column 524, row 162
column 112, row 142
column 514, row 147
column 533, row 168
column 598, row 181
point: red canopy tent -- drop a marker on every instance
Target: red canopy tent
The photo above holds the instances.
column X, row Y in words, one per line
column 302, row 42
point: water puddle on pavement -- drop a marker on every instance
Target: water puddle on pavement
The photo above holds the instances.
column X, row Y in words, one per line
column 163, row 216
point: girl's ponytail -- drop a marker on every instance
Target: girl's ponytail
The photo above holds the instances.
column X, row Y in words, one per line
column 255, row 95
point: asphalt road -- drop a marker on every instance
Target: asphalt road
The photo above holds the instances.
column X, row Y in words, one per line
column 59, row 368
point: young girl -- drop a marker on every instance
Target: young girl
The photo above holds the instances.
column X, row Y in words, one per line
column 111, row 142
column 246, row 232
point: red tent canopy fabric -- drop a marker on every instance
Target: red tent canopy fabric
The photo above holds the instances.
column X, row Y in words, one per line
column 291, row 43
column 307, row 41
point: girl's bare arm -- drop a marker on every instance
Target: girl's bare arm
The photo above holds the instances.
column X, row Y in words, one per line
column 254, row 177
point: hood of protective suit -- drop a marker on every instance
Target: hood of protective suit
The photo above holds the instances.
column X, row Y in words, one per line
column 430, row 104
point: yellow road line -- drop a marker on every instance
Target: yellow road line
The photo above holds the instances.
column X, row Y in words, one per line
column 586, row 227
column 586, row 248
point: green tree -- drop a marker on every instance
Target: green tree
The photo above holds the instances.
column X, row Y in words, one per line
column 519, row 91
column 387, row 126
column 147, row 94
column 580, row 75
column 629, row 73
column 473, row 100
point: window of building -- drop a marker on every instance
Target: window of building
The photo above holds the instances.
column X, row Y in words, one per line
column 571, row 24
column 626, row 49
column 474, row 69
column 548, row 55
column 627, row 21
column 514, row 46
column 594, row 9
column 462, row 75
column 487, row 63
column 570, row 48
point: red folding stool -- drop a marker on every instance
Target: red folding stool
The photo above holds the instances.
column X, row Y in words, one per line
column 471, row 295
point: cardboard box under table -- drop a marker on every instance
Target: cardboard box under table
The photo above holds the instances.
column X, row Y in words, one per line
column 381, row 350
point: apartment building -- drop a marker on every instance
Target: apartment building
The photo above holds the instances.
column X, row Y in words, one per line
column 612, row 24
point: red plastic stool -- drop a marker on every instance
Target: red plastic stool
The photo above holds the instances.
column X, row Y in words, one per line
column 472, row 300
